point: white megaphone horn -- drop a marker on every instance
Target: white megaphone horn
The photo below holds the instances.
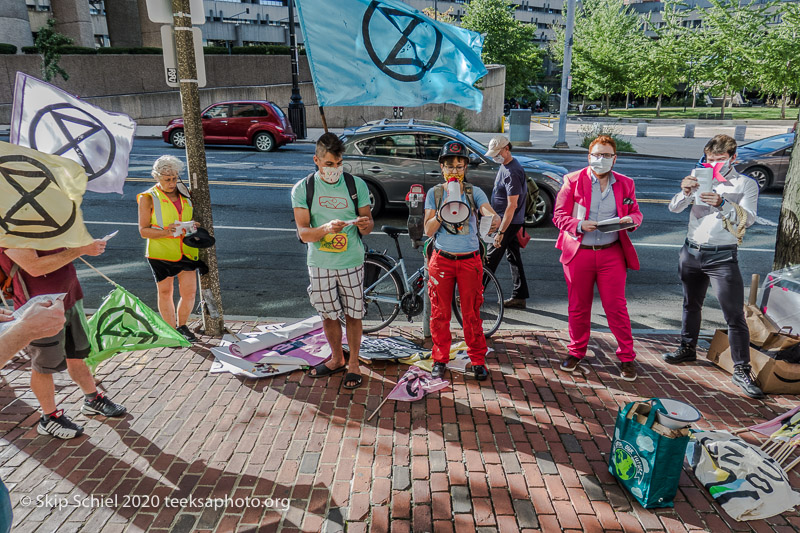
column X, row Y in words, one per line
column 453, row 210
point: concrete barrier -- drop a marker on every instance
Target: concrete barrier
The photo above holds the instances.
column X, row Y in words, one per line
column 739, row 133
column 688, row 130
column 520, row 127
column 134, row 85
column 641, row 129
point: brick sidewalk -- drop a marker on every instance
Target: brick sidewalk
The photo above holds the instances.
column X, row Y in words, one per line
column 525, row 451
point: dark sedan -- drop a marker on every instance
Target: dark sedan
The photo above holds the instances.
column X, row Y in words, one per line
column 392, row 155
column 766, row 160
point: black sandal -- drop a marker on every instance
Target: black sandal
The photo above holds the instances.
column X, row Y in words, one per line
column 321, row 370
column 358, row 378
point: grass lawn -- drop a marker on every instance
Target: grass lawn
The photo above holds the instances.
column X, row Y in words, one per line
column 734, row 113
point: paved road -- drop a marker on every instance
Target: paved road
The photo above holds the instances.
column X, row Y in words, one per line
column 263, row 266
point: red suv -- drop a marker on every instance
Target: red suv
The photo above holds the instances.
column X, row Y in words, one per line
column 261, row 124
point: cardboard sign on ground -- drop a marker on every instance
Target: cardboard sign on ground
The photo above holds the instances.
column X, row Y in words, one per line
column 774, row 377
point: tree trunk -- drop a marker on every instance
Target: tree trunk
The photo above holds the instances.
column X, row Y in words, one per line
column 658, row 106
column 784, row 97
column 722, row 108
column 627, row 99
column 694, row 97
column 787, row 241
column 608, row 103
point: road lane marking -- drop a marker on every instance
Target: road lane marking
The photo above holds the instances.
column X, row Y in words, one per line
column 537, row 239
column 232, row 183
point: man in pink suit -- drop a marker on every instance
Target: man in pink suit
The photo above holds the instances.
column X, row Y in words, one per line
column 591, row 256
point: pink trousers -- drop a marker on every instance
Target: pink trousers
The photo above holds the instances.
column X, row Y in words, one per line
column 607, row 269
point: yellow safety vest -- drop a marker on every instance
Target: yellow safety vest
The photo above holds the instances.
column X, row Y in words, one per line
column 164, row 214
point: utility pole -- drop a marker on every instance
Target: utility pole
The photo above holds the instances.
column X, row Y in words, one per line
column 565, row 77
column 210, row 295
column 297, row 110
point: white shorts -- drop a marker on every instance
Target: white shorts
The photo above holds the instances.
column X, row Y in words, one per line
column 337, row 292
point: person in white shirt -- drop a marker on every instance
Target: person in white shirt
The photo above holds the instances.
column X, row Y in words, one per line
column 710, row 255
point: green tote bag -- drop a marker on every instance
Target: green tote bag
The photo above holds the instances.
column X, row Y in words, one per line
column 646, row 463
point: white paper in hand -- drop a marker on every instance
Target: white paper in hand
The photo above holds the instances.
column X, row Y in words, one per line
column 110, row 236
column 483, row 229
column 42, row 298
column 705, row 180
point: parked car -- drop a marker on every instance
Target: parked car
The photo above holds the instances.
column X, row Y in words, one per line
column 391, row 155
column 766, row 160
column 258, row 123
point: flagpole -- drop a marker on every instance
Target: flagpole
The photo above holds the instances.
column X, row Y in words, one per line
column 379, row 408
column 101, row 274
column 324, row 122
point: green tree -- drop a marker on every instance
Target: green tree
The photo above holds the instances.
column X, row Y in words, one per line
column 661, row 62
column 508, row 42
column 732, row 35
column 48, row 42
column 778, row 57
column 607, row 41
column 787, row 239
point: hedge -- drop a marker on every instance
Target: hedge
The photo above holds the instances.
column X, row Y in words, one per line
column 145, row 50
column 214, row 50
column 29, row 50
column 6, row 48
column 80, row 50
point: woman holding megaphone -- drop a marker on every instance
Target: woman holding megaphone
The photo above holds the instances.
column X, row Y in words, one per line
column 165, row 220
column 450, row 220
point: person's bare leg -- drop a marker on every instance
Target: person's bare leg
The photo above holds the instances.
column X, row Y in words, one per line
column 44, row 390
column 187, row 286
column 354, row 333
column 333, row 333
column 81, row 375
column 166, row 305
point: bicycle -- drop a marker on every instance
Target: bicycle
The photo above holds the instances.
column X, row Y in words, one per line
column 388, row 289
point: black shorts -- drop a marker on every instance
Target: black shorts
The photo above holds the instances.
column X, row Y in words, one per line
column 168, row 269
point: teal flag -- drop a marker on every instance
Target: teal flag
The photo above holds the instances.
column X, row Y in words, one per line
column 386, row 53
column 124, row 324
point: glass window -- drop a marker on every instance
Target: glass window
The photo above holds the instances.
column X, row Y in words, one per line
column 248, row 110
column 389, row 146
column 218, row 111
column 771, row 143
column 431, row 145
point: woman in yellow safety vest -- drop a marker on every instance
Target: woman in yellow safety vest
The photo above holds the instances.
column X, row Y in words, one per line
column 162, row 208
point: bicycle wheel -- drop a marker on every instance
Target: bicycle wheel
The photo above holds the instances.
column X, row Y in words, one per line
column 492, row 308
column 382, row 293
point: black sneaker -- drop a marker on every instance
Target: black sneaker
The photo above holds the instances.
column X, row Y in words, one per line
column 743, row 376
column 102, row 406
column 186, row 332
column 438, row 370
column 684, row 354
column 481, row 374
column 59, row 426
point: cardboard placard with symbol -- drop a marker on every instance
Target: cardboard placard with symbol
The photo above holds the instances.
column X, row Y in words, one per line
column 40, row 198
column 333, row 242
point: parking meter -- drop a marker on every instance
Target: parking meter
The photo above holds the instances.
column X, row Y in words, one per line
column 415, row 200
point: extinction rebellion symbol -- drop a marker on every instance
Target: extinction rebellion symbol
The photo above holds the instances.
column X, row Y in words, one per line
column 408, row 60
column 63, row 128
column 121, row 322
column 18, row 176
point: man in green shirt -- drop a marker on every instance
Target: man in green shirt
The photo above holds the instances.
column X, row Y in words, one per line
column 332, row 226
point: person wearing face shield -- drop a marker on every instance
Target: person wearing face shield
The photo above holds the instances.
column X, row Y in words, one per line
column 509, row 198
column 456, row 259
column 710, row 256
column 331, row 220
column 593, row 257
column 162, row 210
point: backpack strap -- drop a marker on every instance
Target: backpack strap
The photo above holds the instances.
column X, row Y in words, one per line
column 350, row 182
column 309, row 191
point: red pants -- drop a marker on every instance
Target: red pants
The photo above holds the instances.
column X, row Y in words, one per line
column 468, row 274
column 607, row 269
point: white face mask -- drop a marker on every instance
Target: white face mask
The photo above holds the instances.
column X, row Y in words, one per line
column 331, row 174
column 726, row 168
column 498, row 159
column 601, row 165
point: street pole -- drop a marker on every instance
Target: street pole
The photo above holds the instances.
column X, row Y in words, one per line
column 565, row 77
column 297, row 110
column 213, row 321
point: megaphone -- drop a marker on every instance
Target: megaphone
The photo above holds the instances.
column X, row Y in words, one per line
column 453, row 210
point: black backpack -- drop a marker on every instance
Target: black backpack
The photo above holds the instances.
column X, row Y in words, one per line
column 349, row 181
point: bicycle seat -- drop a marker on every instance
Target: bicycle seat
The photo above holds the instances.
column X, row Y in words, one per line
column 392, row 231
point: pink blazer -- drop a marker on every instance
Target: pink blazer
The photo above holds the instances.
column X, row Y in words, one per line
column 572, row 206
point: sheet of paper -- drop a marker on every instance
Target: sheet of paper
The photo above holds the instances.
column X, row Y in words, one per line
column 110, row 236
column 705, row 180
column 608, row 221
column 42, row 298
column 483, row 229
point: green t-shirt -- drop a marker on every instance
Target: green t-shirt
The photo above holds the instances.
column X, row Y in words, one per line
column 339, row 251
